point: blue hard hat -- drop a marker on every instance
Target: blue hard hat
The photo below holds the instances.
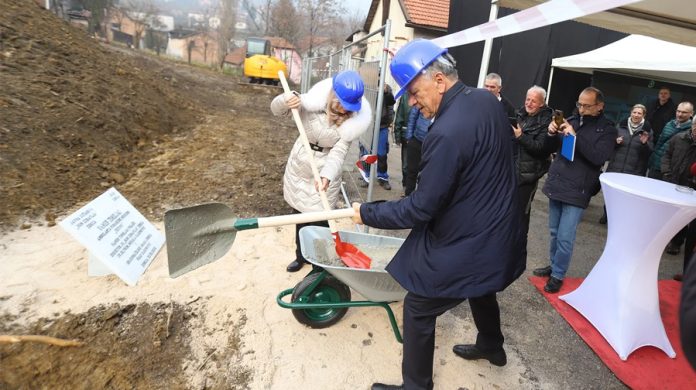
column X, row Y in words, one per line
column 349, row 89
column 411, row 59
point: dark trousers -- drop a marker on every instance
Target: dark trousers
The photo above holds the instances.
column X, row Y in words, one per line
column 298, row 249
column 413, row 156
column 690, row 238
column 382, row 151
column 525, row 196
column 404, row 161
column 420, row 315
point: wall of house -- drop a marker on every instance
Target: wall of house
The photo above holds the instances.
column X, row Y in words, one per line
column 178, row 48
column 292, row 60
column 399, row 35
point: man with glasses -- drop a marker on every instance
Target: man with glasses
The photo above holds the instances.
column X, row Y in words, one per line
column 571, row 183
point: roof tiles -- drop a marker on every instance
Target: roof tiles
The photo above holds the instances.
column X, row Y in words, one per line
column 428, row 12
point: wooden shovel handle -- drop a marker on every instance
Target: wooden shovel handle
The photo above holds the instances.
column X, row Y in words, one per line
column 314, row 216
column 40, row 339
column 308, row 149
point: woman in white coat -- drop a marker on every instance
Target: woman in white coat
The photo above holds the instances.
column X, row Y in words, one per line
column 334, row 113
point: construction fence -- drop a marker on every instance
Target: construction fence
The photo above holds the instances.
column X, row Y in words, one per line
column 315, row 69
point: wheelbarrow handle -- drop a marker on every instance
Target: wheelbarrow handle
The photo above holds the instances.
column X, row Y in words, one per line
column 292, row 219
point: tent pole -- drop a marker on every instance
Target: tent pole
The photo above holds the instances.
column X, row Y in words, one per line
column 548, row 90
column 487, row 46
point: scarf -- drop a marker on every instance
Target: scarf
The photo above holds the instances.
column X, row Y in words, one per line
column 637, row 127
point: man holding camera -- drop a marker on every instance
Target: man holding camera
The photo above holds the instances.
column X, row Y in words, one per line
column 572, row 182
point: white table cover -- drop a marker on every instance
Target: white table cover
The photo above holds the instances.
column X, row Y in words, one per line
column 619, row 296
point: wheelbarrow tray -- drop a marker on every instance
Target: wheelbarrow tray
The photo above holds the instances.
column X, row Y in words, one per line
column 374, row 284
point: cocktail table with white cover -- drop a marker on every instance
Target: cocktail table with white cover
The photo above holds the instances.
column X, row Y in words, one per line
column 619, row 296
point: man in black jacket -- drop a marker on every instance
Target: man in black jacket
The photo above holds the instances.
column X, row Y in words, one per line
column 533, row 154
column 571, row 183
column 660, row 111
column 494, row 84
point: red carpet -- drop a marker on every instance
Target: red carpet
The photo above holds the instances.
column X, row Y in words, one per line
column 647, row 367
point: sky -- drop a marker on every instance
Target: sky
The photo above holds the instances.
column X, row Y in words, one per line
column 358, row 5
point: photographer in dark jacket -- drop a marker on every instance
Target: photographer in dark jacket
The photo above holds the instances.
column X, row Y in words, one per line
column 571, row 184
column 633, row 147
column 533, row 155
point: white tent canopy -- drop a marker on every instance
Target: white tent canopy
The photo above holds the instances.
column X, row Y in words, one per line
column 639, row 56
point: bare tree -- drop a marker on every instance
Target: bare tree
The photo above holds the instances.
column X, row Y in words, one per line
column 319, row 16
column 190, row 45
column 228, row 18
column 98, row 17
column 142, row 13
column 283, row 21
column 344, row 26
column 265, row 12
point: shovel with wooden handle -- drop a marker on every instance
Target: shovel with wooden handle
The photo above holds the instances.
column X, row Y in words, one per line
column 201, row 234
column 348, row 253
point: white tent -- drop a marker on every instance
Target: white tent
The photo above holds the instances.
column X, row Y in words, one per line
column 639, row 56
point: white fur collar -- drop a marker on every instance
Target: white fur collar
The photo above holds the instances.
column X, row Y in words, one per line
column 316, row 99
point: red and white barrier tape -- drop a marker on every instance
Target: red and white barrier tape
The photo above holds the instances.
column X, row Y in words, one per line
column 545, row 14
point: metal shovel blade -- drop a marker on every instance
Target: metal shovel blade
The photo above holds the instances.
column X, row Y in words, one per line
column 197, row 236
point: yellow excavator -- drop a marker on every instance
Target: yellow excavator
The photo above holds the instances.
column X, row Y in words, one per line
column 259, row 65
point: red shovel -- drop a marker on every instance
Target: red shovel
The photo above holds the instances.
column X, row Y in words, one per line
column 348, row 253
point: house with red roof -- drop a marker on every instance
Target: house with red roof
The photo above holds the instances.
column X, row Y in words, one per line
column 410, row 19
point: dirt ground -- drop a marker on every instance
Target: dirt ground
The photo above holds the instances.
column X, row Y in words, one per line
column 78, row 117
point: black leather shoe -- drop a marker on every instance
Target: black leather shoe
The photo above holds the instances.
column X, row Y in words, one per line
column 553, row 285
column 543, row 271
column 295, row 266
column 471, row 352
column 385, row 184
column 382, row 386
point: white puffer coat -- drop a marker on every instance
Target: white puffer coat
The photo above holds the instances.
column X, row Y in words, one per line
column 298, row 182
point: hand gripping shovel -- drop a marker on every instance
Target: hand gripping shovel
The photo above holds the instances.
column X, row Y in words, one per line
column 201, row 234
column 348, row 253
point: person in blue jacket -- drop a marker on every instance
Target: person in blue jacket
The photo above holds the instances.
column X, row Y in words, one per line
column 416, row 130
column 464, row 241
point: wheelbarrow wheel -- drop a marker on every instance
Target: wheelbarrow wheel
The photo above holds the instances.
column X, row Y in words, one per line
column 330, row 290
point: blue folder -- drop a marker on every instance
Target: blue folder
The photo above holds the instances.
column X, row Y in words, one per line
column 568, row 147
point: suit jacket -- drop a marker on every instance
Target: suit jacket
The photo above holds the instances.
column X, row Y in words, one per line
column 464, row 240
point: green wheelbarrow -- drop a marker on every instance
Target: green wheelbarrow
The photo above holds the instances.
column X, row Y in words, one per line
column 323, row 297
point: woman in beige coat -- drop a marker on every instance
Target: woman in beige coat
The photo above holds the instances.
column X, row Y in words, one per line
column 334, row 113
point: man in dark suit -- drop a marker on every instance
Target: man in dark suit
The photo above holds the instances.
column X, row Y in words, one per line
column 464, row 242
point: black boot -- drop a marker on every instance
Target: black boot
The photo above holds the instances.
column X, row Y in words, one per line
column 603, row 218
column 296, row 265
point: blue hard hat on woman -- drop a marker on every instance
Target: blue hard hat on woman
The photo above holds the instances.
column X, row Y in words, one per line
column 349, row 89
column 411, row 60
